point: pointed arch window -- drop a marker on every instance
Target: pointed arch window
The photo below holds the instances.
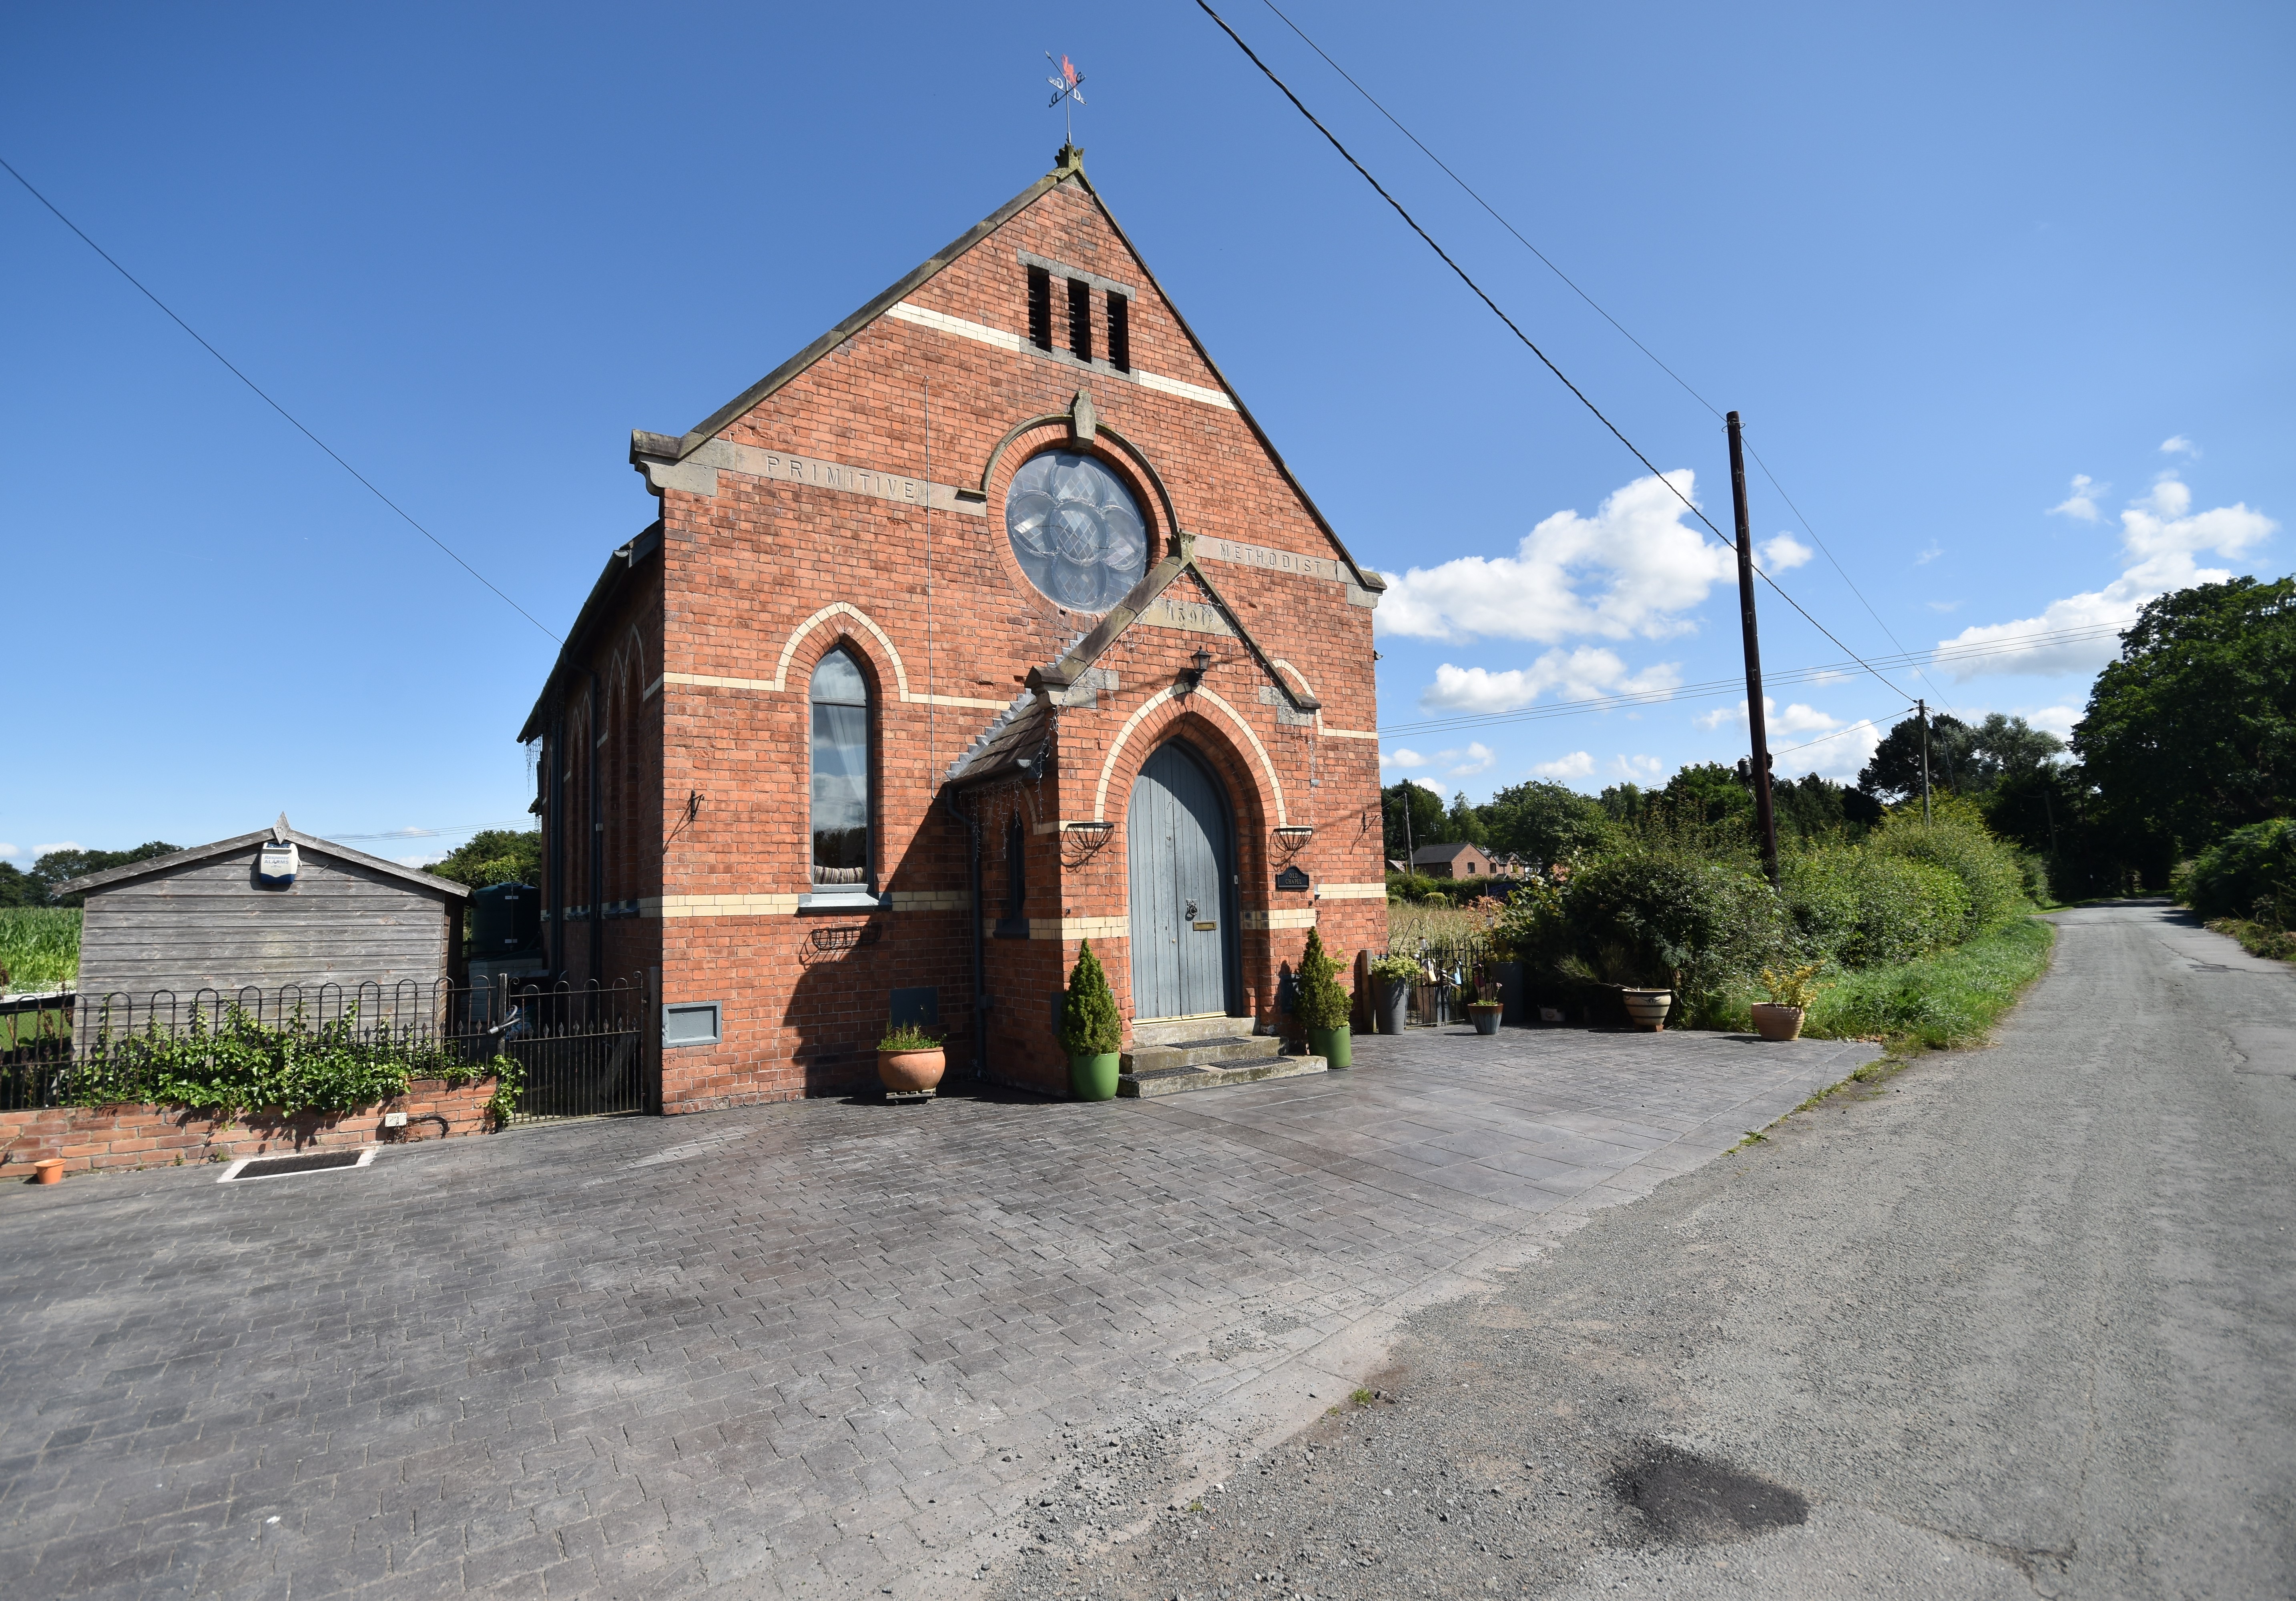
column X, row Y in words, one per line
column 840, row 697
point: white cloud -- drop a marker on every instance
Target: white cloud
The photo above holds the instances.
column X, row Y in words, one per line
column 2177, row 444
column 2058, row 720
column 2160, row 537
column 421, row 861
column 1931, row 554
column 1838, row 756
column 2082, row 501
column 57, row 845
column 1477, row 758
column 1638, row 769
column 1784, row 552
column 1579, row 764
column 1796, row 718
column 1430, row 785
column 1640, row 563
column 1402, row 757
column 9, row 852
column 1580, row 674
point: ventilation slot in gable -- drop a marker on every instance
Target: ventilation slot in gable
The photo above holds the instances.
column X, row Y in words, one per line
column 1119, row 332
column 1080, row 319
column 1040, row 308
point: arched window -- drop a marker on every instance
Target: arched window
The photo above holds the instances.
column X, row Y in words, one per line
column 840, row 771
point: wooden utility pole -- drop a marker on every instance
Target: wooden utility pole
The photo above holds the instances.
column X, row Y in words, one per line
column 1922, row 707
column 1766, row 816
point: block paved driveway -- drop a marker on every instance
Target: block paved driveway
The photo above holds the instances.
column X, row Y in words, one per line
column 814, row 1348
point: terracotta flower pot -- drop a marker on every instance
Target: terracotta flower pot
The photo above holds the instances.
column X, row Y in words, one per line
column 1486, row 1016
column 50, row 1171
column 1646, row 1009
column 1773, row 1021
column 904, row 1072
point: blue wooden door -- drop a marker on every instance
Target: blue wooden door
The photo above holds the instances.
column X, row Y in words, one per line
column 1177, row 850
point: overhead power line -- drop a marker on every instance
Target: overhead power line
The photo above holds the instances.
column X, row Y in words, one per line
column 267, row 400
column 1516, row 330
column 1600, row 310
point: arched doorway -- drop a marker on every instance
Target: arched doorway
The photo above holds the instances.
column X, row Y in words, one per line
column 1180, row 860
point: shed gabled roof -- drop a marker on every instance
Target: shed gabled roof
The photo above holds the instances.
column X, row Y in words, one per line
column 1070, row 169
column 112, row 878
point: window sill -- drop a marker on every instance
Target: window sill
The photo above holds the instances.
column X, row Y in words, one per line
column 842, row 898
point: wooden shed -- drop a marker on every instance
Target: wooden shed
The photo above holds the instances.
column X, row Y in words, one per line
column 267, row 910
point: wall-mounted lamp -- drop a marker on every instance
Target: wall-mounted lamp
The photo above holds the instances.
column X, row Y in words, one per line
column 1294, row 836
column 1191, row 677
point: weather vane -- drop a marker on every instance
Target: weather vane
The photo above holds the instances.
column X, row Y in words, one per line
column 1068, row 86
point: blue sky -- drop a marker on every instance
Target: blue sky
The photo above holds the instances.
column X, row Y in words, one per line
column 1958, row 266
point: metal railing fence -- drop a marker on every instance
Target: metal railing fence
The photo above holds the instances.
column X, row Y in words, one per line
column 578, row 1047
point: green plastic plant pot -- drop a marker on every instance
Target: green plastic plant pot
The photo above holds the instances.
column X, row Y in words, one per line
column 1094, row 1077
column 1333, row 1045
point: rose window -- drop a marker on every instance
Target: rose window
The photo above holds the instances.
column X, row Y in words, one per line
column 1075, row 530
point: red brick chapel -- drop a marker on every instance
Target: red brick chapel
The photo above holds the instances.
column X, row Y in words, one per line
column 988, row 623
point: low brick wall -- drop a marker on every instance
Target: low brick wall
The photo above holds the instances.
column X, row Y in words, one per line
column 88, row 1137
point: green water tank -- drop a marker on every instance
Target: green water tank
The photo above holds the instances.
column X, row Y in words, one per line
column 505, row 919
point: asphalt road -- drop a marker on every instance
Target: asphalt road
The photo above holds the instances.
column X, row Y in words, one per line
column 2016, row 1321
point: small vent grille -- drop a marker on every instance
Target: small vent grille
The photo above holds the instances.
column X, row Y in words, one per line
column 1080, row 319
column 1119, row 332
column 1040, row 308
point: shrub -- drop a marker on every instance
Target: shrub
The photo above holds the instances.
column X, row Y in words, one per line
column 1665, row 918
column 1989, row 869
column 907, row 1036
column 1324, row 1003
column 1089, row 1024
column 2250, row 874
column 1395, row 969
column 237, row 1063
column 1867, row 908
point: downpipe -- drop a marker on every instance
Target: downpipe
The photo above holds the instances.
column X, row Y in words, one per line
column 980, row 945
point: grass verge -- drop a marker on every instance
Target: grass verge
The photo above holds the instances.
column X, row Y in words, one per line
column 2259, row 939
column 39, row 945
column 1951, row 998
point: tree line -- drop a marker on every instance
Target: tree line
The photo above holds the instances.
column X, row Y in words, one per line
column 2189, row 733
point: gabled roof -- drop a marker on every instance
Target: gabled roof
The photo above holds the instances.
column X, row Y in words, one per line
column 1070, row 169
column 618, row 567
column 112, row 878
column 1446, row 853
column 1014, row 742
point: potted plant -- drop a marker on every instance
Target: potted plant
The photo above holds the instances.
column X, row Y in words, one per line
column 1486, row 1008
column 1091, row 1032
column 1392, row 978
column 1791, row 991
column 909, row 1061
column 1323, row 1003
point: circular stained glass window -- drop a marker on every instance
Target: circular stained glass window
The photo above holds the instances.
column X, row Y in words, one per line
column 1075, row 530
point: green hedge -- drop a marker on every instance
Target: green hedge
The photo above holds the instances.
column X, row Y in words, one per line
column 1990, row 871
column 2250, row 874
column 1865, row 908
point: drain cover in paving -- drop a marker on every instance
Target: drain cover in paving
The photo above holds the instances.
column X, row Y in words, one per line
column 283, row 1167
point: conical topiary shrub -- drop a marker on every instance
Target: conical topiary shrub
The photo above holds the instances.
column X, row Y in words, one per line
column 1091, row 1031
column 1324, row 1003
